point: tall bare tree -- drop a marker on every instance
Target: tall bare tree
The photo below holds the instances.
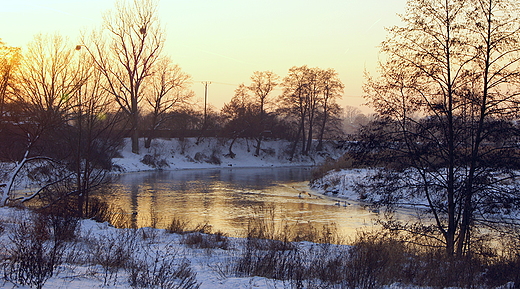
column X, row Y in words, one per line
column 293, row 102
column 329, row 110
column 45, row 84
column 262, row 84
column 166, row 91
column 47, row 79
column 446, row 95
column 126, row 52
column 93, row 140
column 309, row 94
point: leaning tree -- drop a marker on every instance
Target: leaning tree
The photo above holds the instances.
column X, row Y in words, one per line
column 446, row 139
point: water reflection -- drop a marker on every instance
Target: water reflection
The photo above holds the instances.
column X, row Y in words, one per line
column 227, row 198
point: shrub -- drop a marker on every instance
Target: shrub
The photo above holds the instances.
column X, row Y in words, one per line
column 112, row 252
column 178, row 226
column 162, row 271
column 299, row 266
column 206, row 241
column 37, row 248
column 343, row 162
column 154, row 161
column 375, row 259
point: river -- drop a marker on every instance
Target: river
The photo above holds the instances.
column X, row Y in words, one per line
column 226, row 199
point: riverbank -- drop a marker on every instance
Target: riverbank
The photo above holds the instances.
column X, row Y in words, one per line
column 99, row 255
column 340, row 184
column 175, row 154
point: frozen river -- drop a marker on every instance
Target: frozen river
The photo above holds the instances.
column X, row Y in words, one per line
column 227, row 198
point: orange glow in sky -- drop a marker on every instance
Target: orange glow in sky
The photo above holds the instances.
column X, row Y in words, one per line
column 225, row 41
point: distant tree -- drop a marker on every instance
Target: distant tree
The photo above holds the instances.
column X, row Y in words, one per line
column 308, row 94
column 240, row 115
column 447, row 98
column 353, row 119
column 166, row 90
column 262, row 84
column 126, row 52
column 329, row 110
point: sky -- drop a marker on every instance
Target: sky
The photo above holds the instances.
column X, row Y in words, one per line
column 225, row 41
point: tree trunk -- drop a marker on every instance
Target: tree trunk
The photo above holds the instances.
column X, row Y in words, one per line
column 309, row 137
column 322, row 128
column 258, row 144
column 135, row 141
column 231, row 154
column 135, row 126
column 293, row 150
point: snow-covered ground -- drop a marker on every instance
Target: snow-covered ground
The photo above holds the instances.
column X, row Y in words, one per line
column 149, row 244
column 172, row 154
column 341, row 183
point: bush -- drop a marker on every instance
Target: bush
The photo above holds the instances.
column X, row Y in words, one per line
column 178, row 226
column 155, row 161
column 162, row 271
column 299, row 266
column 37, row 248
column 112, row 252
column 206, row 241
column 343, row 162
column 375, row 259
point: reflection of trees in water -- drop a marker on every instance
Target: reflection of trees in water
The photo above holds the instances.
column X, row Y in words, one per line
column 215, row 196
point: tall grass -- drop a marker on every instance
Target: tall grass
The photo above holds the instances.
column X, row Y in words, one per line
column 265, row 223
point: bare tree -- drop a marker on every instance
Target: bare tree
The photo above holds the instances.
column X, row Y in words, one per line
column 9, row 61
column 293, row 102
column 166, row 91
column 93, row 140
column 46, row 80
column 239, row 114
column 44, row 86
column 331, row 90
column 446, row 98
column 126, row 52
column 262, row 84
column 309, row 95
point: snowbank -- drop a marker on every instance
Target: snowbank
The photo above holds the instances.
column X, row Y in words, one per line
column 341, row 183
column 173, row 154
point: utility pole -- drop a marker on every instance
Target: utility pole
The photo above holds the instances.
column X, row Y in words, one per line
column 204, row 124
column 205, row 83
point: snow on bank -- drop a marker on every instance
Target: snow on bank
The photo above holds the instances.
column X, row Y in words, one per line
column 341, row 184
column 173, row 154
column 82, row 271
